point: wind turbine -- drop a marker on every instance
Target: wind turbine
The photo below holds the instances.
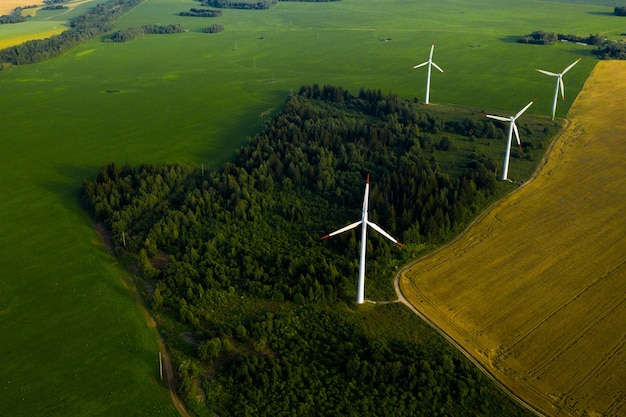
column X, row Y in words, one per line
column 512, row 128
column 364, row 222
column 430, row 63
column 559, row 83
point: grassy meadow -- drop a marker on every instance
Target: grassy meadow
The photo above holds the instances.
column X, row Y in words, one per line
column 534, row 290
column 74, row 342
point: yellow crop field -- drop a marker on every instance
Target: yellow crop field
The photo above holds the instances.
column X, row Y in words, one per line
column 535, row 289
column 7, row 6
column 10, row 39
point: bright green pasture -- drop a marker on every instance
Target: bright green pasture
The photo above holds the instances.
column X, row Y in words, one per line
column 73, row 342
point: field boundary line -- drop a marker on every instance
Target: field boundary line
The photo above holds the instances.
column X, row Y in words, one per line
column 508, row 391
column 401, row 298
column 129, row 283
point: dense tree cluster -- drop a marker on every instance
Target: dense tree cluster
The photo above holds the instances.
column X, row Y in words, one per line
column 539, row 38
column 239, row 4
column 202, row 13
column 12, row 18
column 589, row 40
column 55, row 7
column 214, row 28
column 619, row 11
column 213, row 244
column 94, row 22
column 129, row 34
column 606, row 49
column 612, row 50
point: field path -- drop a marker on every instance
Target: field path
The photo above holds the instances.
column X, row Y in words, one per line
column 131, row 285
column 535, row 290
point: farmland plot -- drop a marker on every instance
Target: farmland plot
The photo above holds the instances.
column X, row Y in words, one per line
column 535, row 290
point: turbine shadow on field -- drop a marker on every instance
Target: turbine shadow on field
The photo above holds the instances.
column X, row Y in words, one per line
column 595, row 13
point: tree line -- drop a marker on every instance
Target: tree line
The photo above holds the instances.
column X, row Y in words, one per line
column 129, row 34
column 194, row 12
column 55, row 7
column 251, row 4
column 94, row 22
column 605, row 48
column 240, row 4
column 539, row 38
column 234, row 256
column 12, row 18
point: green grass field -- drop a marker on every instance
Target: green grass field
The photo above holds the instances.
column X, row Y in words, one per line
column 74, row 342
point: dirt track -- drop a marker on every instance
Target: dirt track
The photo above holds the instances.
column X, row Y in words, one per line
column 534, row 290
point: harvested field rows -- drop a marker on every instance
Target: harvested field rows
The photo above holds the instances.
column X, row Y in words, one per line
column 535, row 290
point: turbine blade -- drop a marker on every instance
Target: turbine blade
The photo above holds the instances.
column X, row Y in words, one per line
column 382, row 232
column 343, row 229
column 519, row 113
column 546, row 72
column 432, row 49
column 437, row 66
column 516, row 135
column 562, row 87
column 366, row 197
column 420, row 65
column 570, row 66
column 502, row 119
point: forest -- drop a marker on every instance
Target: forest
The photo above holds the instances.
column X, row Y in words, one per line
column 231, row 257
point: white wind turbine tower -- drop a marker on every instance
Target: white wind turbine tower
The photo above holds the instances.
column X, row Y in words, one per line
column 430, row 64
column 512, row 128
column 364, row 222
column 559, row 83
